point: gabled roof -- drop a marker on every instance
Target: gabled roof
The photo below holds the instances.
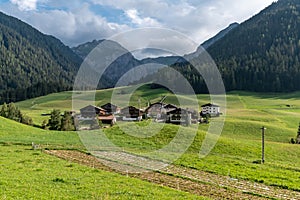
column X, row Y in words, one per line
column 109, row 105
column 95, row 107
column 210, row 105
column 153, row 104
column 158, row 103
column 170, row 106
column 130, row 108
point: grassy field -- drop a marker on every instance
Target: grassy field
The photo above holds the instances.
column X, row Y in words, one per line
column 29, row 174
column 235, row 153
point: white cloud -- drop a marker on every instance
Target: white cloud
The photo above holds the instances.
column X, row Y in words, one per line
column 25, row 5
column 73, row 21
column 141, row 22
column 73, row 27
column 198, row 19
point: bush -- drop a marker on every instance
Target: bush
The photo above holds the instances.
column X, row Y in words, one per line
column 293, row 141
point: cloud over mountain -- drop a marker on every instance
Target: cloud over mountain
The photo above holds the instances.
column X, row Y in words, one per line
column 78, row 21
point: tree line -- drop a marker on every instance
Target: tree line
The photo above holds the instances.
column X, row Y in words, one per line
column 60, row 122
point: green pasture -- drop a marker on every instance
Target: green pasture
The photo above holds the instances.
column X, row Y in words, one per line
column 236, row 153
column 29, row 174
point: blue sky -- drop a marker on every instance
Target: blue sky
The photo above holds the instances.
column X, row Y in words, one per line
column 78, row 21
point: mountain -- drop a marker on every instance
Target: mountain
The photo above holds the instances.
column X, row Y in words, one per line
column 116, row 69
column 205, row 45
column 31, row 63
column 122, row 64
column 127, row 61
column 170, row 60
column 262, row 54
column 83, row 50
column 219, row 36
column 164, row 60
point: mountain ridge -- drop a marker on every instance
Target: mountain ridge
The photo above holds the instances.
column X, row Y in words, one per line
column 266, row 53
column 260, row 55
column 127, row 62
column 32, row 63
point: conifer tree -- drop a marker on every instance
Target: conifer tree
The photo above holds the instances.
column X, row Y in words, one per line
column 55, row 120
column 4, row 111
column 67, row 122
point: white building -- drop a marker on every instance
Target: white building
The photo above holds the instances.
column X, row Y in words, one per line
column 211, row 109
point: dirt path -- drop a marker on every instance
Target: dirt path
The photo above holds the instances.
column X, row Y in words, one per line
column 241, row 185
column 186, row 179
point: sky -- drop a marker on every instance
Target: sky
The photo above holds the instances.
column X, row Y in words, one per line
column 77, row 21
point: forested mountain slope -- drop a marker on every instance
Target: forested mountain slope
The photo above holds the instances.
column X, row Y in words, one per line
column 263, row 53
column 31, row 63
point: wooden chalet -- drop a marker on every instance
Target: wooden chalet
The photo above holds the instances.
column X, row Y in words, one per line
column 111, row 108
column 131, row 113
column 155, row 110
column 179, row 115
column 92, row 111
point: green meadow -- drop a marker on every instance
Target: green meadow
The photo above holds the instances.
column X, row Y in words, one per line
column 28, row 174
column 236, row 153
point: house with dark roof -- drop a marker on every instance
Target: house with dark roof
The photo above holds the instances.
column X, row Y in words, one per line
column 92, row 111
column 111, row 108
column 170, row 107
column 180, row 115
column 131, row 113
column 155, row 110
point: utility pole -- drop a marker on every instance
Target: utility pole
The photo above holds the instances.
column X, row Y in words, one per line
column 263, row 144
column 139, row 101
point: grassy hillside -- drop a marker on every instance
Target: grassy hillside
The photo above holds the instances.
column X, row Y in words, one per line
column 29, row 174
column 237, row 149
column 246, row 112
column 12, row 132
